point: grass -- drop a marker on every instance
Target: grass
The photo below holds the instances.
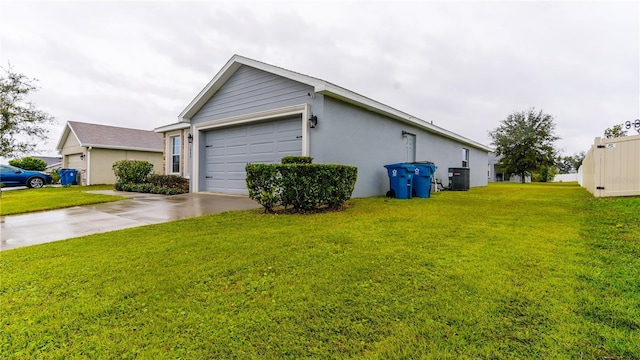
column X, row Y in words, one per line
column 49, row 198
column 506, row 271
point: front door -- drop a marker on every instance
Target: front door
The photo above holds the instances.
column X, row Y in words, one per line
column 410, row 144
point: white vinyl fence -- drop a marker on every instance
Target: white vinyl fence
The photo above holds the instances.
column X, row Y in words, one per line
column 612, row 167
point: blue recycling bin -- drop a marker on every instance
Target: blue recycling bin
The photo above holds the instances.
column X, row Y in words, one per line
column 68, row 176
column 422, row 176
column 400, row 180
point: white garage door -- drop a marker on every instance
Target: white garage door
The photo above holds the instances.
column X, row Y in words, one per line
column 75, row 162
column 229, row 150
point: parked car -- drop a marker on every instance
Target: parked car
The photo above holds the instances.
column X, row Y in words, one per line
column 13, row 176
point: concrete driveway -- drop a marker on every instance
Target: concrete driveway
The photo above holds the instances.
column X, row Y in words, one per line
column 141, row 209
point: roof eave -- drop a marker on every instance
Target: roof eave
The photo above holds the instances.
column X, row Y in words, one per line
column 111, row 147
column 172, row 127
column 225, row 74
column 63, row 137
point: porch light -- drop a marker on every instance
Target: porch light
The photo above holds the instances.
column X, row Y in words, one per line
column 190, row 138
column 313, row 121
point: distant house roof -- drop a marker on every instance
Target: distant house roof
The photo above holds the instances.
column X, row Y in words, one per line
column 320, row 86
column 112, row 137
column 50, row 160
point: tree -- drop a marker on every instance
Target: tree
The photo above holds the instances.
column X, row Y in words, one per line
column 525, row 141
column 566, row 164
column 23, row 125
column 614, row 132
column 29, row 163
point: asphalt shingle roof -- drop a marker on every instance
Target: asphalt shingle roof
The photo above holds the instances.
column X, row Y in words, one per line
column 116, row 137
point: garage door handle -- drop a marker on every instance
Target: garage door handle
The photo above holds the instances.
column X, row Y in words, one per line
column 299, row 137
column 208, row 177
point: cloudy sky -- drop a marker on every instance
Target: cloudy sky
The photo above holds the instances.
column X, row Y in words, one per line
column 463, row 65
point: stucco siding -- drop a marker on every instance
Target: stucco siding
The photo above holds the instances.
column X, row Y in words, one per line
column 250, row 90
column 102, row 160
column 351, row 135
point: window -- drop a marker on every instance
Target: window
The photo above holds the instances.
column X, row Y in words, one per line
column 175, row 154
column 465, row 157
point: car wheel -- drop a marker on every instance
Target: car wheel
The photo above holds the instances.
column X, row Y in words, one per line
column 35, row 182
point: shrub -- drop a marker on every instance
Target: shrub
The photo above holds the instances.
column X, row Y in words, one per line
column 302, row 186
column 132, row 171
column 309, row 186
column 55, row 177
column 157, row 184
column 296, row 160
column 263, row 183
column 178, row 183
column 29, row 163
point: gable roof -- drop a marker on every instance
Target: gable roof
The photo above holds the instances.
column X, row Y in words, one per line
column 112, row 137
column 320, row 86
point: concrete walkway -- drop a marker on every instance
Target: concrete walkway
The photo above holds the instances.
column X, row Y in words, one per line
column 142, row 209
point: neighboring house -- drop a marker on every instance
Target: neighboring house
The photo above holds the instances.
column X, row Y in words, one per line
column 496, row 174
column 92, row 149
column 252, row 112
column 53, row 162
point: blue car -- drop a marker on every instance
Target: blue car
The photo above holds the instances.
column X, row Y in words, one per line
column 13, row 176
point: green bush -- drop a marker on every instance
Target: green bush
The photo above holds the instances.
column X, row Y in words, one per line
column 132, row 171
column 263, row 183
column 544, row 174
column 157, row 184
column 178, row 183
column 296, row 160
column 29, row 163
column 55, row 177
column 304, row 187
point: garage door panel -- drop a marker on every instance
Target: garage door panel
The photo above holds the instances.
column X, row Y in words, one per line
column 238, row 150
column 262, row 148
column 263, row 129
column 229, row 150
column 236, row 133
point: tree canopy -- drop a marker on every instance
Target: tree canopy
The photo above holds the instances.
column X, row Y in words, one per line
column 525, row 142
column 23, row 125
column 29, row 163
column 567, row 164
column 614, row 132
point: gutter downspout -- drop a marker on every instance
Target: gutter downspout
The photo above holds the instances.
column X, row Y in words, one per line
column 89, row 165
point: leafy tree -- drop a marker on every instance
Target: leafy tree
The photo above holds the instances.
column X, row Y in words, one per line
column 572, row 162
column 525, row 140
column 29, row 163
column 565, row 164
column 23, row 125
column 614, row 132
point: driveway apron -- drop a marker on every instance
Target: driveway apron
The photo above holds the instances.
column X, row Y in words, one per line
column 140, row 209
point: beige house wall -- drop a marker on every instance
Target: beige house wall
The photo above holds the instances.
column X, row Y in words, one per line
column 71, row 154
column 612, row 167
column 101, row 161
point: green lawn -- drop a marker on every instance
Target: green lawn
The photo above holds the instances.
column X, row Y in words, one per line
column 506, row 271
column 49, row 198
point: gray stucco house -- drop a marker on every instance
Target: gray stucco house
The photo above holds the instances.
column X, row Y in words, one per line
column 252, row 112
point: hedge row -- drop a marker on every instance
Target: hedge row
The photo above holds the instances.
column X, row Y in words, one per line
column 149, row 188
column 135, row 176
column 302, row 186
